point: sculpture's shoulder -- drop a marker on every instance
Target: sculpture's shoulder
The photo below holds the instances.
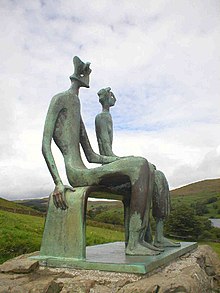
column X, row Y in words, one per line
column 98, row 117
column 60, row 96
column 159, row 173
column 58, row 101
column 101, row 122
column 103, row 117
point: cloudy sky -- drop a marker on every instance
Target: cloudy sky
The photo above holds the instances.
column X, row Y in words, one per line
column 161, row 59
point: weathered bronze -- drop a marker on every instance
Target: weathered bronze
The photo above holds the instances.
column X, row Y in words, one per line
column 161, row 209
column 65, row 126
column 103, row 122
column 161, row 194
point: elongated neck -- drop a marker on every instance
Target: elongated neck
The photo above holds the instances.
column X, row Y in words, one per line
column 105, row 108
column 75, row 87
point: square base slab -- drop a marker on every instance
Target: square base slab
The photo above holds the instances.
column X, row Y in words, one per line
column 111, row 257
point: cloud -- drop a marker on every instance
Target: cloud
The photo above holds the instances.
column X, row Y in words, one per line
column 160, row 58
column 208, row 168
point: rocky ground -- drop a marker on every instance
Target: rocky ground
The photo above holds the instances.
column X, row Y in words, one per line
column 196, row 272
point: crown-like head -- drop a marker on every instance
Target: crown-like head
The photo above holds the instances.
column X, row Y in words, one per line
column 81, row 72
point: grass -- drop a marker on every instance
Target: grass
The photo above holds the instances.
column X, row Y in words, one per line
column 202, row 197
column 16, row 208
column 96, row 235
column 208, row 187
column 23, row 233
column 199, row 192
column 11, row 205
column 20, row 233
column 215, row 246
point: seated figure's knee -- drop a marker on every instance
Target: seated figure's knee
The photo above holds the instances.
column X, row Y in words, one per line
column 139, row 161
column 143, row 163
column 140, row 167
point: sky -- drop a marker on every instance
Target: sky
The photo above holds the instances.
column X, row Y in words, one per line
column 160, row 58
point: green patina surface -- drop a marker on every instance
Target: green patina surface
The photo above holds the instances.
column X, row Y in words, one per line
column 160, row 191
column 64, row 231
column 65, row 126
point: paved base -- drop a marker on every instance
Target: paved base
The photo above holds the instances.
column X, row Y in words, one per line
column 111, row 257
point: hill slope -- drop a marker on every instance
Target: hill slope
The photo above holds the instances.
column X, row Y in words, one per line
column 209, row 187
column 204, row 196
column 23, row 233
column 39, row 204
column 200, row 191
column 11, row 206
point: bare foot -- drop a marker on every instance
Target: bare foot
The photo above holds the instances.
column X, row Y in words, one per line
column 166, row 243
column 151, row 246
column 140, row 249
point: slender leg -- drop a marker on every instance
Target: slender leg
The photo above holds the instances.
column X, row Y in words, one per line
column 139, row 213
column 160, row 240
column 148, row 235
column 126, row 219
column 148, row 239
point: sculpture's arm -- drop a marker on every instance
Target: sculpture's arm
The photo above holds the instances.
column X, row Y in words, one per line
column 50, row 122
column 104, row 137
column 91, row 156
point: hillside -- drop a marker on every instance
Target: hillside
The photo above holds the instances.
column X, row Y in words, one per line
column 23, row 233
column 11, row 206
column 42, row 203
column 202, row 191
column 203, row 196
column 209, row 187
column 39, row 204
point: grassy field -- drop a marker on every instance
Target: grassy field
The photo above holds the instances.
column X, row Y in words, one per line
column 213, row 209
column 209, row 187
column 19, row 234
column 7, row 205
column 23, row 233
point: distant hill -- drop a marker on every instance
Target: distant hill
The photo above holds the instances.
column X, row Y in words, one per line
column 204, row 196
column 11, row 206
column 210, row 187
column 198, row 191
column 39, row 204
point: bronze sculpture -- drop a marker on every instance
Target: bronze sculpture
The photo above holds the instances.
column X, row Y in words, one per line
column 161, row 195
column 65, row 126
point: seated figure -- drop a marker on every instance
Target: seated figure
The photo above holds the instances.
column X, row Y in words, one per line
column 103, row 122
column 161, row 195
column 65, row 126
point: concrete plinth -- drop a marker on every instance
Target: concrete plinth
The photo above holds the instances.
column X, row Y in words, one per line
column 111, row 257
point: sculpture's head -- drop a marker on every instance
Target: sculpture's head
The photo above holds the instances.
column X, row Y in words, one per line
column 106, row 97
column 81, row 72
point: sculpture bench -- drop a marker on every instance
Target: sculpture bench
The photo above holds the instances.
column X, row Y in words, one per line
column 65, row 230
column 64, row 239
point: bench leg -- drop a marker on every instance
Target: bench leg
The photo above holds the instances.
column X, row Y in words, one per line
column 64, row 231
column 126, row 204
